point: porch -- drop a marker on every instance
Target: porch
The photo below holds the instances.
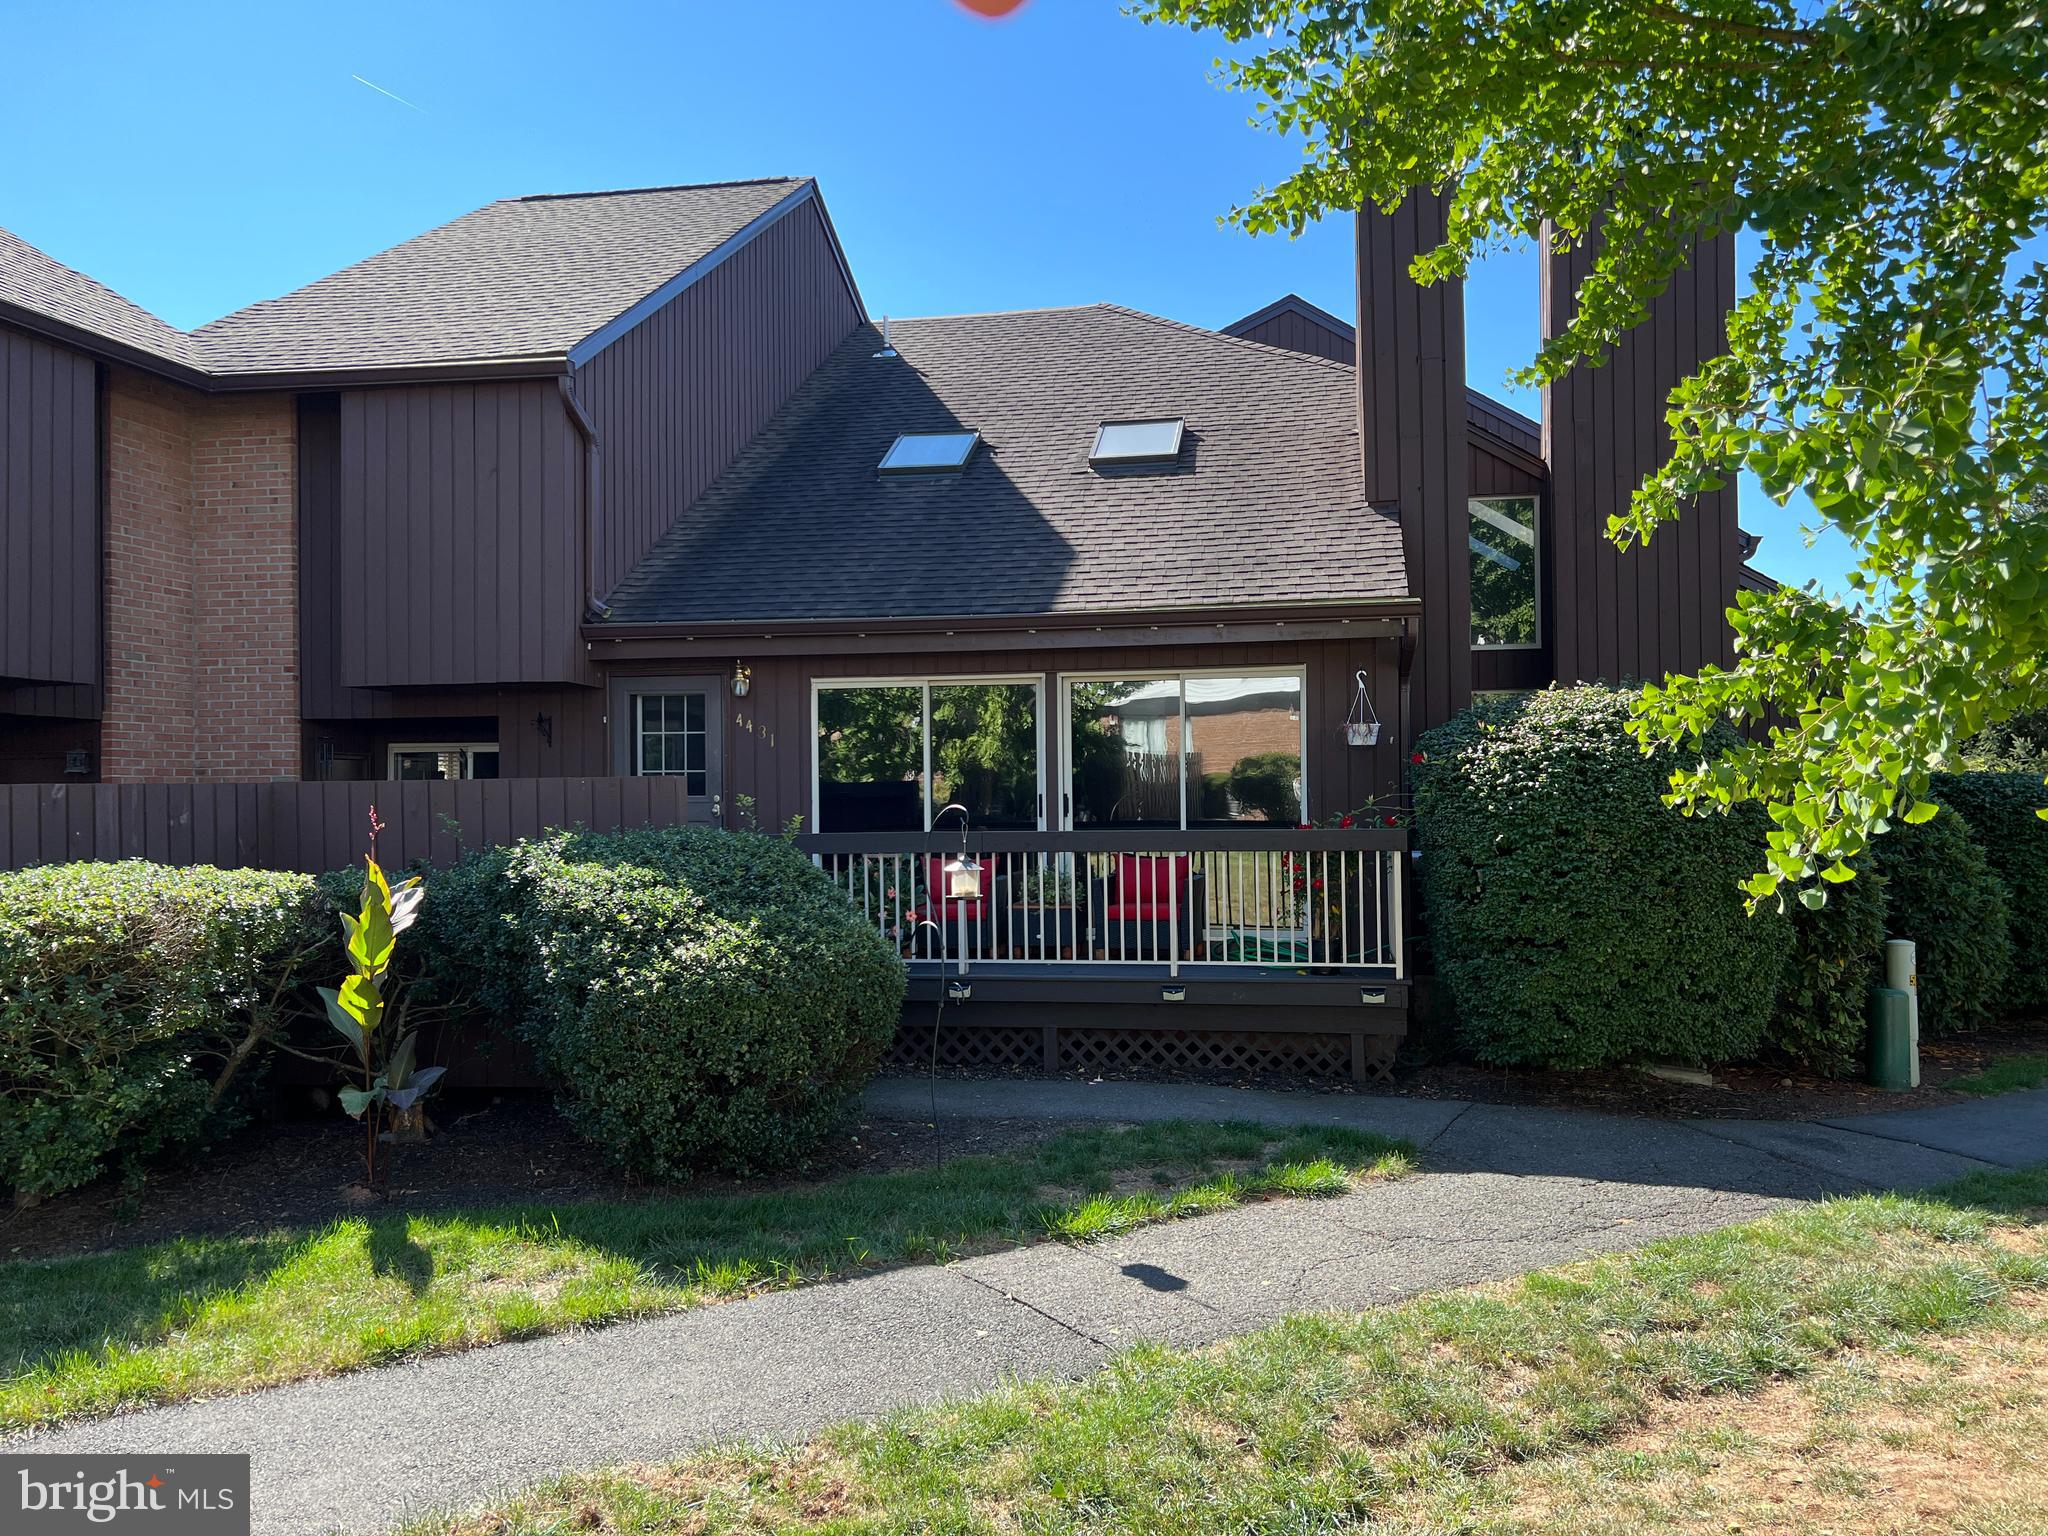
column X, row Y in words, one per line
column 1249, row 947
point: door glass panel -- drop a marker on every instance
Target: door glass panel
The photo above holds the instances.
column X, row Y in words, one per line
column 871, row 759
column 985, row 752
column 1124, row 745
column 1243, row 759
column 669, row 737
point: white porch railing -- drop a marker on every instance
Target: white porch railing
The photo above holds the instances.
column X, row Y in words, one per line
column 1318, row 900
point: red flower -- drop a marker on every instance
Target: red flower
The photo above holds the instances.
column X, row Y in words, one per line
column 1345, row 822
column 1304, row 826
column 1319, row 885
column 1393, row 821
column 1417, row 757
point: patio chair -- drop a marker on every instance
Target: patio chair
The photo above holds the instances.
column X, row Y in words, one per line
column 1149, row 907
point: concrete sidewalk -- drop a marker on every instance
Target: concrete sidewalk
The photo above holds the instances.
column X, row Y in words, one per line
column 1506, row 1190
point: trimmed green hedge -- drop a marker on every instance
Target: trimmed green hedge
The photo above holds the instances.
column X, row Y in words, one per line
column 1576, row 921
column 1941, row 892
column 1823, row 1013
column 122, row 988
column 2000, row 810
column 699, row 998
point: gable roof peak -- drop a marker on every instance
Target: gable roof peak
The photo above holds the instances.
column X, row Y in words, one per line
column 679, row 186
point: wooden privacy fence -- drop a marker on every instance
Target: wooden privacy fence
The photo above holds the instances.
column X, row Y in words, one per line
column 313, row 827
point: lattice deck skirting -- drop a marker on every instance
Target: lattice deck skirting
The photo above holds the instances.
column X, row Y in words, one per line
column 1362, row 1055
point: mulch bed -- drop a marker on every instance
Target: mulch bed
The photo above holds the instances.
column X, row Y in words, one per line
column 513, row 1148
column 508, row 1149
column 1738, row 1093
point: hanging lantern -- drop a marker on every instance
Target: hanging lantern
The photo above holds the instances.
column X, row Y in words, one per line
column 963, row 879
column 742, row 679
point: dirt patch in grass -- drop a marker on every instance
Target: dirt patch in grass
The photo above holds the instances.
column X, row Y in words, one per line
column 1940, row 1438
column 506, row 1149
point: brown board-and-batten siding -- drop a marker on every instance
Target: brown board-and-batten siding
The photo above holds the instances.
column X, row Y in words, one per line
column 458, row 539
column 49, row 524
column 1412, row 427
column 1646, row 612
column 1298, row 328
column 770, row 746
column 676, row 397
column 312, row 827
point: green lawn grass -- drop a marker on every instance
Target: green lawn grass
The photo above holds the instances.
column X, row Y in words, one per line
column 1541, row 1404
column 2013, row 1073
column 202, row 1315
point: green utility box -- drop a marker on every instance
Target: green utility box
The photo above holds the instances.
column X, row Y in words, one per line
column 1891, row 1038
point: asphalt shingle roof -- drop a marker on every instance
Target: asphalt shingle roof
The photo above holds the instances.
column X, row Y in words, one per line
column 1263, row 506
column 528, row 277
column 44, row 286
column 525, row 277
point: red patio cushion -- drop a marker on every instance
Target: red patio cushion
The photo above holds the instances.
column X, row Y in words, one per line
column 1141, row 911
column 1142, row 878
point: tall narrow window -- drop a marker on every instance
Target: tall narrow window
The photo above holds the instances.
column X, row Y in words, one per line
column 1507, row 587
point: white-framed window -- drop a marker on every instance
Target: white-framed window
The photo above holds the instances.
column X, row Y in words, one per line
column 889, row 753
column 1507, row 573
column 443, row 760
column 1184, row 749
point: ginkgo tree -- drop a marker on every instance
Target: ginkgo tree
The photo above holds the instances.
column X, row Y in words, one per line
column 1890, row 158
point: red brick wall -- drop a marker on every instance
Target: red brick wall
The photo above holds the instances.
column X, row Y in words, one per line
column 202, row 585
column 245, row 532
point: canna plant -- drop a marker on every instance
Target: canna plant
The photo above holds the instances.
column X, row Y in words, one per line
column 362, row 1010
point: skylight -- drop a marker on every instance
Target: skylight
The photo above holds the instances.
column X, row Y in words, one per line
column 1137, row 442
column 928, row 452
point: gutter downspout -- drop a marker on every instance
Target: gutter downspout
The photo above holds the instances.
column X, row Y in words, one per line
column 593, row 452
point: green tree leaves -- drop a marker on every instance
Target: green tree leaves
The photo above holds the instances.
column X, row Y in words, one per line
column 1890, row 360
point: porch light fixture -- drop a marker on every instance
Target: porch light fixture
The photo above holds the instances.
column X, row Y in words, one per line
column 928, row 453
column 1138, row 442
column 742, row 679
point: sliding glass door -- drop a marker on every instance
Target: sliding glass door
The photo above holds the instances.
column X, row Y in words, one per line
column 1178, row 750
column 891, row 754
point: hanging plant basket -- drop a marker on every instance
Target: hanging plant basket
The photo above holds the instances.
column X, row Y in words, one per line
column 1362, row 725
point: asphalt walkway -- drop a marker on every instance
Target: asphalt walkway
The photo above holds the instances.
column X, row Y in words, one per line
column 1504, row 1190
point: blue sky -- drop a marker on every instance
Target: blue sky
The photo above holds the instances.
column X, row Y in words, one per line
column 198, row 159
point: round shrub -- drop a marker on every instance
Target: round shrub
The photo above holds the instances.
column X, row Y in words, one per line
column 1999, row 808
column 123, row 986
column 1823, row 1014
column 1941, row 892
column 1575, row 919
column 699, row 998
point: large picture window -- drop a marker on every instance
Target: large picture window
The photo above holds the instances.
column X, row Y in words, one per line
column 892, row 755
column 1507, row 588
column 1185, row 750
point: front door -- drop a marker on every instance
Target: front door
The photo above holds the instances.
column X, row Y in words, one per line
column 673, row 727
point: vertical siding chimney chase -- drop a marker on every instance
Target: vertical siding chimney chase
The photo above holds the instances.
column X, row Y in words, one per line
column 1648, row 612
column 1411, row 395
